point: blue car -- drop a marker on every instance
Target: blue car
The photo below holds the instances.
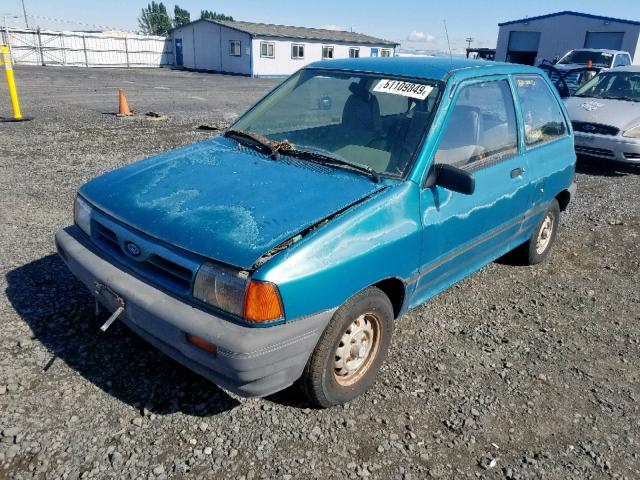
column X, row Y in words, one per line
column 285, row 249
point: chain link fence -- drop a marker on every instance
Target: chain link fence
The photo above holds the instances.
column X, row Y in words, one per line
column 47, row 47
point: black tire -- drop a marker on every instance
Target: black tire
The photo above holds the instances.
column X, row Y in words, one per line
column 322, row 382
column 529, row 253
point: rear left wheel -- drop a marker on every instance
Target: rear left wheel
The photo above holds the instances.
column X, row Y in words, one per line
column 351, row 350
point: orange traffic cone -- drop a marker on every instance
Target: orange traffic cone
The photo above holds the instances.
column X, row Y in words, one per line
column 123, row 106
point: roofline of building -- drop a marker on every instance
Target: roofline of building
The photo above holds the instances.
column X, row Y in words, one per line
column 569, row 12
column 381, row 41
column 266, row 35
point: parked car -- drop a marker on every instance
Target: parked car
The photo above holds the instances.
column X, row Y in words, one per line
column 606, row 115
column 356, row 190
column 601, row 58
column 579, row 66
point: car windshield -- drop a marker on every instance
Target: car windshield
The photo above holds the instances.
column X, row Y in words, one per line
column 615, row 85
column 373, row 123
column 582, row 57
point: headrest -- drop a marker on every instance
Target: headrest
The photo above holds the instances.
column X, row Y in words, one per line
column 359, row 91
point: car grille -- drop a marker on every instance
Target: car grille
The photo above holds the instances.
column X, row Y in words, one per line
column 596, row 128
column 176, row 276
column 632, row 156
column 596, row 152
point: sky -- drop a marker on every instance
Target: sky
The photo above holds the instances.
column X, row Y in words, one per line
column 415, row 24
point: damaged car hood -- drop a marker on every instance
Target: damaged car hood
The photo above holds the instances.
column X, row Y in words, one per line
column 622, row 114
column 224, row 201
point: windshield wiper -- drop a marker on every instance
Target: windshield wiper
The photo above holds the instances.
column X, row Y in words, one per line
column 322, row 157
column 263, row 144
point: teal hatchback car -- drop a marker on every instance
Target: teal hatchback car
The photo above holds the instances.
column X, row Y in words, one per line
column 284, row 249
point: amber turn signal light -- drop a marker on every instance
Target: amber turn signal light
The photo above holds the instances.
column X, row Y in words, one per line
column 262, row 302
column 203, row 344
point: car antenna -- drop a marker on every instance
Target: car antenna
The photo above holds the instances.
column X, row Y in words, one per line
column 446, row 31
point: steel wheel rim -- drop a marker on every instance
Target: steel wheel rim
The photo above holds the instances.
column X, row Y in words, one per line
column 544, row 234
column 357, row 349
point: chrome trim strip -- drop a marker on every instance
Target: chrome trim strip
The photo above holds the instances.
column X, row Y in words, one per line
column 464, row 249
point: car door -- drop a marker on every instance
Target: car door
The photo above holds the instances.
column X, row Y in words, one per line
column 461, row 232
column 546, row 141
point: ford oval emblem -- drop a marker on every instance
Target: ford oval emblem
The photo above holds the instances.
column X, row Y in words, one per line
column 133, row 249
column 589, row 128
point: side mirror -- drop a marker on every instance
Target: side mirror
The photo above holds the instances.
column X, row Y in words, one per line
column 452, row 178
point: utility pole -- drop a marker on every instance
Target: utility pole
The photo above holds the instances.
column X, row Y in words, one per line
column 469, row 40
column 24, row 12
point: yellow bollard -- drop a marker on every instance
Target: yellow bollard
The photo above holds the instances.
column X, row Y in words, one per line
column 11, row 83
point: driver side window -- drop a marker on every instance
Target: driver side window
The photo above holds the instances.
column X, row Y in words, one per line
column 482, row 127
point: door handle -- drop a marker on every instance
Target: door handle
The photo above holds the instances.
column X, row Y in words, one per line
column 517, row 172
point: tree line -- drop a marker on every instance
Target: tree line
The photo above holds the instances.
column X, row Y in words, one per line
column 155, row 20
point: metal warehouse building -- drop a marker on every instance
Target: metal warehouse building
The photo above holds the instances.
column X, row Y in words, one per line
column 531, row 40
column 260, row 50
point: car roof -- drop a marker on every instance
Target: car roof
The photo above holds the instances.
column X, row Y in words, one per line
column 603, row 50
column 432, row 68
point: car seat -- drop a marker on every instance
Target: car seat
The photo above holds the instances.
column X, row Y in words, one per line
column 620, row 86
column 361, row 114
column 460, row 143
column 408, row 136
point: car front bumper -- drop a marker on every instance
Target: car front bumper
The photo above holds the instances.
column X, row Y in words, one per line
column 608, row 147
column 249, row 361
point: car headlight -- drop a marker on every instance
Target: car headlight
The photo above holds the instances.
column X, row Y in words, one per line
column 632, row 132
column 234, row 292
column 82, row 214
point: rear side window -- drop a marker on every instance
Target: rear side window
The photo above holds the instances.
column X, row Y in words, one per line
column 541, row 114
column 482, row 127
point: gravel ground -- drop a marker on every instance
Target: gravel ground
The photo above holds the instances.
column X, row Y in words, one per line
column 515, row 373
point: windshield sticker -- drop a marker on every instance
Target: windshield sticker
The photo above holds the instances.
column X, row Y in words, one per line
column 406, row 89
column 525, row 82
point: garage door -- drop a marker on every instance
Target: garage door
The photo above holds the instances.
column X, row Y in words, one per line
column 524, row 41
column 609, row 40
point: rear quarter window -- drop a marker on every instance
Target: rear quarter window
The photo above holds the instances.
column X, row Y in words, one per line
column 542, row 116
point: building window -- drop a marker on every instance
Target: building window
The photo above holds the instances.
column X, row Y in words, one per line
column 267, row 49
column 327, row 52
column 235, row 49
column 297, row 51
column 354, row 53
column 385, row 52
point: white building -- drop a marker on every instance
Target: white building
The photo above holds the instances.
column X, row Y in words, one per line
column 263, row 50
column 531, row 40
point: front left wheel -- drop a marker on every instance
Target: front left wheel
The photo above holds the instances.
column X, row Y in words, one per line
column 351, row 350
